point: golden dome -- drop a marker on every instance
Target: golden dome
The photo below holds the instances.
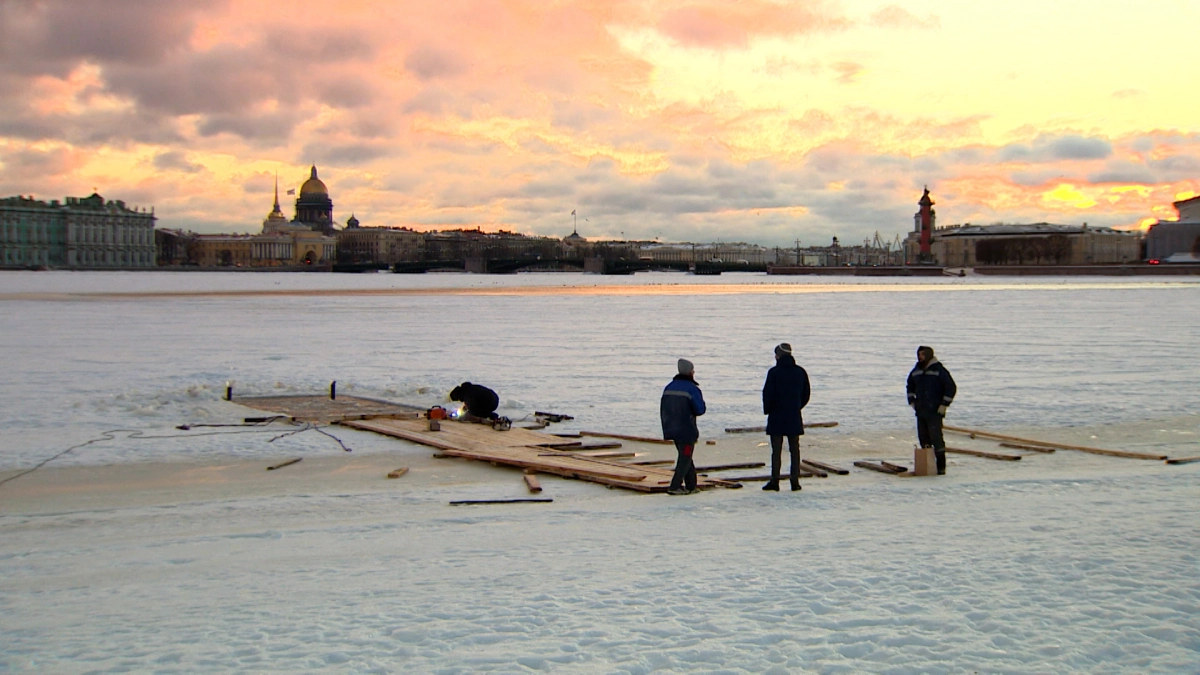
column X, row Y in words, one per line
column 313, row 186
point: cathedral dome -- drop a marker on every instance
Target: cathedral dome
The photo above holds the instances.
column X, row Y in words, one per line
column 313, row 186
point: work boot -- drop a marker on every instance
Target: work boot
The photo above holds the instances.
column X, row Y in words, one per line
column 771, row 486
column 678, row 491
column 795, row 485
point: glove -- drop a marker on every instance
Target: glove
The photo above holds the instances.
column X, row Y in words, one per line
column 942, row 410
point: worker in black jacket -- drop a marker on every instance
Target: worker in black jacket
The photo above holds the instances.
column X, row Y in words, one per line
column 785, row 393
column 930, row 391
column 481, row 402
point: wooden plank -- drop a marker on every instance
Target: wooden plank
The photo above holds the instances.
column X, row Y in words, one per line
column 825, row 467
column 518, row 448
column 745, row 430
column 640, row 439
column 894, row 467
column 1061, row 446
column 533, row 500
column 981, row 453
column 584, row 446
column 876, row 467
column 531, row 481
column 766, row 477
column 1019, row 446
column 653, row 462
column 608, row 455
column 726, row 467
column 754, row 430
column 1183, row 460
column 398, row 472
column 287, row 463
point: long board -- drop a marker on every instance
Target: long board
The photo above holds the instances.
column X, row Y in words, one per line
column 1048, row 444
column 981, row 453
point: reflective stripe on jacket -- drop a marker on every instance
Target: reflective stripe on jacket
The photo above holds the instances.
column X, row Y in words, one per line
column 681, row 404
column 930, row 387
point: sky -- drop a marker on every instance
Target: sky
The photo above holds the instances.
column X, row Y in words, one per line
column 680, row 120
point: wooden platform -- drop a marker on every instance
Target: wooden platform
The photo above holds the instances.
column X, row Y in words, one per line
column 526, row 449
column 324, row 409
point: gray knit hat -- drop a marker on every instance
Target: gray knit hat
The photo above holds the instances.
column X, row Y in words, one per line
column 686, row 367
column 784, row 349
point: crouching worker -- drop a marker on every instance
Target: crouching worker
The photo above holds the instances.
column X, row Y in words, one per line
column 480, row 403
column 681, row 404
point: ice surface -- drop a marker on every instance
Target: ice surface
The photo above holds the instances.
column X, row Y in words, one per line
column 1064, row 563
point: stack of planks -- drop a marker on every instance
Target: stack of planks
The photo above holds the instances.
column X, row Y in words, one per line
column 527, row 449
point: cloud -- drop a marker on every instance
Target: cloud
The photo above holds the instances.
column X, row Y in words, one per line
column 847, row 71
column 431, row 63
column 716, row 25
column 175, row 160
column 1052, row 148
column 1123, row 172
column 894, row 16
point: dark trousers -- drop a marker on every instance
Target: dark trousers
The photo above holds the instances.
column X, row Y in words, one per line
column 929, row 434
column 685, row 468
column 777, row 456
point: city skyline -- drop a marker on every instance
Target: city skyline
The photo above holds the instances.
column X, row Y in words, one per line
column 757, row 121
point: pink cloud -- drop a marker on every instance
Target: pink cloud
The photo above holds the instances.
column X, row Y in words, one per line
column 720, row 25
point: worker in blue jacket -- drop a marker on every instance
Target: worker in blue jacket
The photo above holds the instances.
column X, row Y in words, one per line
column 930, row 391
column 784, row 395
column 681, row 404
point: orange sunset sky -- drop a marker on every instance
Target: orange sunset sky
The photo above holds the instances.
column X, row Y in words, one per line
column 760, row 121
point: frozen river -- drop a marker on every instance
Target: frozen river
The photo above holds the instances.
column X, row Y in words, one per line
column 1064, row 563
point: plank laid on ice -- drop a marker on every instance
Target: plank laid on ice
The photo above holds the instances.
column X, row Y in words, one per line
column 398, row 472
column 726, row 467
column 653, row 462
column 894, row 467
column 981, row 453
column 287, row 463
column 531, row 481
column 313, row 408
column 533, row 500
column 1021, row 446
column 1183, row 460
column 626, row 437
column 877, row 467
column 825, row 467
column 525, row 449
column 766, row 477
column 755, row 430
column 584, row 446
column 1060, row 446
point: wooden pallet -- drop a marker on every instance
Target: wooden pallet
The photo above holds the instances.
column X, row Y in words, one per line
column 527, row 449
column 323, row 409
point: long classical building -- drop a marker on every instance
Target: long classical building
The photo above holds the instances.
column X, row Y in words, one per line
column 1011, row 244
column 78, row 233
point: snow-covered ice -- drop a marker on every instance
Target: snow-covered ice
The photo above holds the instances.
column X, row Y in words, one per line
column 1057, row 563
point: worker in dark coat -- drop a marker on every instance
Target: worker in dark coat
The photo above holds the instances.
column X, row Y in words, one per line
column 785, row 394
column 481, row 402
column 930, row 391
column 681, row 404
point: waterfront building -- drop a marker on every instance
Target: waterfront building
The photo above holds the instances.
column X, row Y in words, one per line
column 378, row 245
column 79, row 233
column 1176, row 240
column 1028, row 244
column 281, row 243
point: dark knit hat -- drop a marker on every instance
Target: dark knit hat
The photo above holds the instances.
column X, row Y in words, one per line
column 927, row 350
column 686, row 367
column 784, row 349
